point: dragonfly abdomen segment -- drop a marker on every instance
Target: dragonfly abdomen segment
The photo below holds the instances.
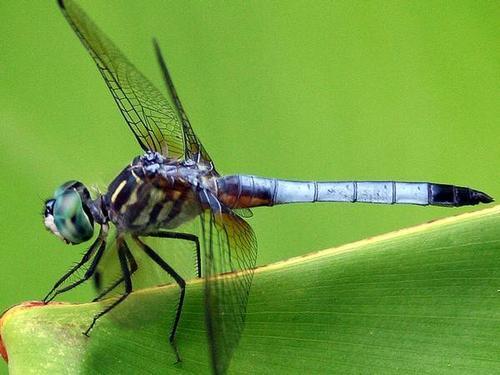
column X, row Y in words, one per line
column 241, row 191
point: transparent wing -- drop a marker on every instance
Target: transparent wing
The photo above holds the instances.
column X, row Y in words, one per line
column 229, row 246
column 148, row 114
column 193, row 149
column 245, row 213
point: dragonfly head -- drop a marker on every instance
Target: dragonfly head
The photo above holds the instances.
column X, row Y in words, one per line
column 68, row 215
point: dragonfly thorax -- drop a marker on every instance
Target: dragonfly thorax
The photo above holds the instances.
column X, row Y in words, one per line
column 155, row 192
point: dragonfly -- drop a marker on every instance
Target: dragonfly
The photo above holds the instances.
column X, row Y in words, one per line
column 174, row 182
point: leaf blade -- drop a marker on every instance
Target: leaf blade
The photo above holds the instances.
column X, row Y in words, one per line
column 422, row 299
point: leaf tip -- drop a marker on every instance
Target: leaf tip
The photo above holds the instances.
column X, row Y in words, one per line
column 7, row 314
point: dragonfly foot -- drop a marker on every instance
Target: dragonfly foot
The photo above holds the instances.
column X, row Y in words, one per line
column 176, row 351
column 87, row 331
column 47, row 299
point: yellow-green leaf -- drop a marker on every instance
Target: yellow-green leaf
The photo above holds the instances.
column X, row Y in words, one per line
column 420, row 300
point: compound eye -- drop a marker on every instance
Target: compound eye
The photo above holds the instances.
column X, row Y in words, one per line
column 70, row 218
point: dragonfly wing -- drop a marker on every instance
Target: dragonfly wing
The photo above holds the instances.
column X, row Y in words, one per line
column 147, row 112
column 244, row 213
column 229, row 246
column 193, row 149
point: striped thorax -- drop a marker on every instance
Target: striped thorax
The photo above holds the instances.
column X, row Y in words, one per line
column 155, row 192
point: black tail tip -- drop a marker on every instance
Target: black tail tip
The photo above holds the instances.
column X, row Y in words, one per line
column 480, row 197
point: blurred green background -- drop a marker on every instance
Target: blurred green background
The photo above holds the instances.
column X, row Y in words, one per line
column 342, row 90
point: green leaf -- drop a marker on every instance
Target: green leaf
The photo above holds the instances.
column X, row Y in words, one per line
column 422, row 300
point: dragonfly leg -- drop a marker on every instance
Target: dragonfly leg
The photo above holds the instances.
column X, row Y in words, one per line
column 98, row 243
column 122, row 255
column 178, row 279
column 133, row 263
column 186, row 237
column 133, row 267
